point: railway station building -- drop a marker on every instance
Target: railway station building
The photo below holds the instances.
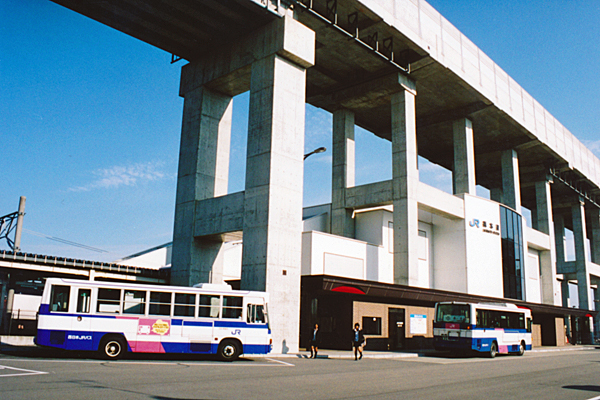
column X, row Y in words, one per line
column 382, row 253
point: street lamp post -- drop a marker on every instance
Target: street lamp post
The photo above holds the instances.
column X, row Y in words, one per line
column 315, row 151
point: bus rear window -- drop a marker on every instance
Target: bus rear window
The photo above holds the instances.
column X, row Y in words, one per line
column 59, row 298
column 457, row 313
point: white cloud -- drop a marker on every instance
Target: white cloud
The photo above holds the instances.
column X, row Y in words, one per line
column 114, row 177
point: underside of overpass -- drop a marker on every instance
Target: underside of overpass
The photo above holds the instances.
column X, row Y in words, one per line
column 357, row 53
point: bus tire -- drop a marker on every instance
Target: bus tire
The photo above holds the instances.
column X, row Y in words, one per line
column 229, row 350
column 521, row 349
column 493, row 350
column 112, row 347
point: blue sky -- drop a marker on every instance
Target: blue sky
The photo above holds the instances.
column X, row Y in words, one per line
column 90, row 118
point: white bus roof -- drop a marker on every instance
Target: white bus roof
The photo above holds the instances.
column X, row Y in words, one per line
column 213, row 288
column 491, row 305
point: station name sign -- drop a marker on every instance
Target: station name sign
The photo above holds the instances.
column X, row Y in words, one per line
column 485, row 226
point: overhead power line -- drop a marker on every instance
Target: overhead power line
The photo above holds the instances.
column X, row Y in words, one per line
column 64, row 241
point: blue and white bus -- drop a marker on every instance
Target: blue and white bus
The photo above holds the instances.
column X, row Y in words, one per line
column 114, row 318
column 490, row 328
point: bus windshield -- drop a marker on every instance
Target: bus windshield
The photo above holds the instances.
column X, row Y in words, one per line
column 458, row 313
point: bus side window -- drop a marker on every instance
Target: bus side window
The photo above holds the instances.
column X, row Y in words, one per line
column 528, row 324
column 109, row 300
column 209, row 306
column 83, row 300
column 256, row 314
column 134, row 302
column 160, row 303
column 232, row 307
column 59, row 298
column 184, row 304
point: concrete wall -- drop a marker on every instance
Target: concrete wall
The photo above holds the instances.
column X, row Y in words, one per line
column 338, row 256
column 449, row 256
column 533, row 291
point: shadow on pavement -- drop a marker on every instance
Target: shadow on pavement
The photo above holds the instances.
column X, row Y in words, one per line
column 35, row 352
column 587, row 388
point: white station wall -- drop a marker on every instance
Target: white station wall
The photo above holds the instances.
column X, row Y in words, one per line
column 328, row 254
column 483, row 247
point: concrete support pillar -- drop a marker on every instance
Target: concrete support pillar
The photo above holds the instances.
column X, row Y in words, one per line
column 405, row 181
column 596, row 307
column 545, row 224
column 496, row 195
column 203, row 173
column 559, row 239
column 564, row 288
column 343, row 172
column 271, row 256
column 594, row 216
column 579, row 236
column 463, row 175
column 511, row 188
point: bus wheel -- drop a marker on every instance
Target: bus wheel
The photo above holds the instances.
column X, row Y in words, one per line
column 228, row 350
column 493, row 350
column 521, row 349
column 112, row 348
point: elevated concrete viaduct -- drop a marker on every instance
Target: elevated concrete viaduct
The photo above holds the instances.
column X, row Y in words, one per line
column 396, row 68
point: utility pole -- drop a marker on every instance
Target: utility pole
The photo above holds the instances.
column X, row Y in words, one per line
column 19, row 228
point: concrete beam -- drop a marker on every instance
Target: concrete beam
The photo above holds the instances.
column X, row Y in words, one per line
column 369, row 195
column 229, row 70
column 219, row 215
column 365, row 92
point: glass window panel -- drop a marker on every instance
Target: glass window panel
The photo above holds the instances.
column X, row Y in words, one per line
column 209, row 306
column 134, row 302
column 185, row 304
column 59, row 301
column 232, row 307
column 109, row 300
column 371, row 325
column 83, row 300
column 256, row 314
column 160, row 303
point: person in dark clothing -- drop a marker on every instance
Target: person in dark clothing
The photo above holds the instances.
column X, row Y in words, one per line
column 314, row 342
column 358, row 339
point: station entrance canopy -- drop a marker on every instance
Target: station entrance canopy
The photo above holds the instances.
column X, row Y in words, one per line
column 389, row 293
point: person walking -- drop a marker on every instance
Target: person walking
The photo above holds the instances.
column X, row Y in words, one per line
column 358, row 339
column 314, row 342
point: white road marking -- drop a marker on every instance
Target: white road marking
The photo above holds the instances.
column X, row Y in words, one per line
column 22, row 372
column 282, row 362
